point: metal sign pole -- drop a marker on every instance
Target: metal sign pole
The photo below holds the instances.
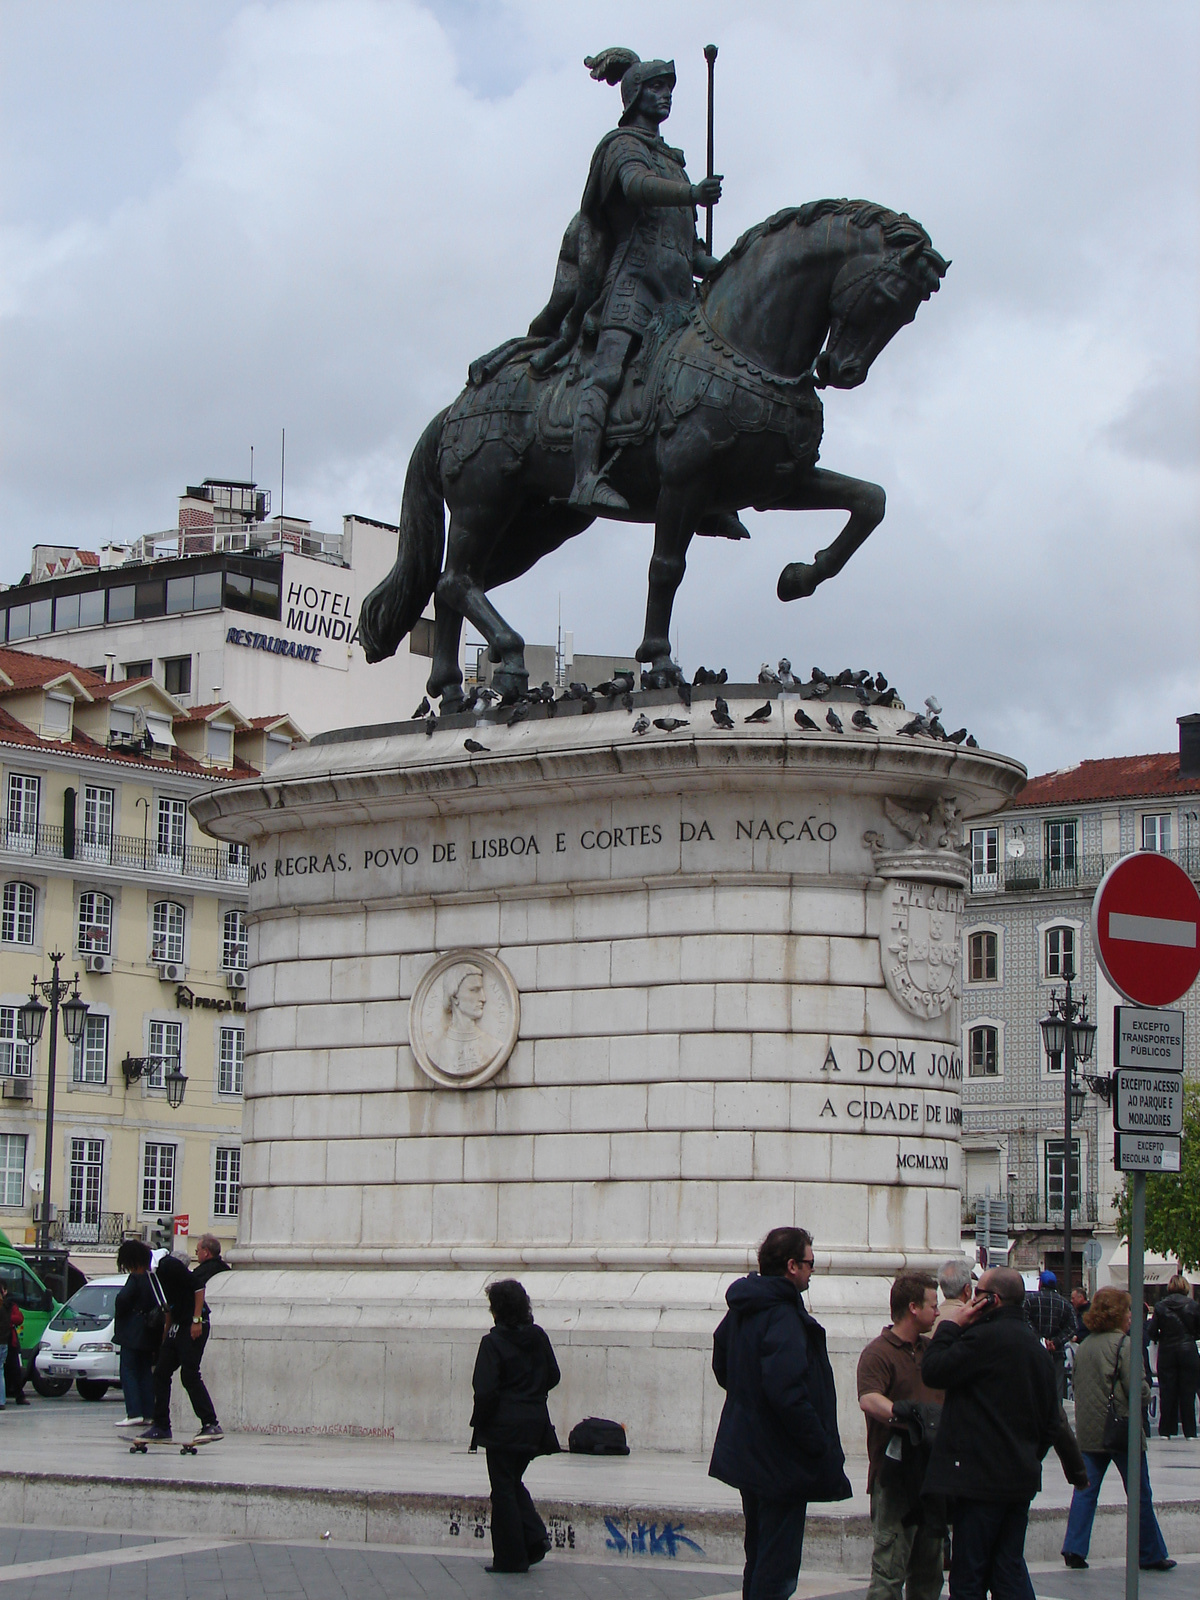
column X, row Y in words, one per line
column 1133, row 1471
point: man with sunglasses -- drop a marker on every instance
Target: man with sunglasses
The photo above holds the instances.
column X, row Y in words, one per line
column 1000, row 1417
column 777, row 1441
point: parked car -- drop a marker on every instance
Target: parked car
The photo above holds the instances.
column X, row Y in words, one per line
column 78, row 1341
column 38, row 1305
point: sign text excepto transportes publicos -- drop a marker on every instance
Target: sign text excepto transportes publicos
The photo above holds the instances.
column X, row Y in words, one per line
column 1141, row 1152
column 1146, row 929
column 1143, row 1037
column 1147, row 1102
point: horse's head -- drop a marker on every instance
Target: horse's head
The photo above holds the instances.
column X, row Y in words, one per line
column 872, row 298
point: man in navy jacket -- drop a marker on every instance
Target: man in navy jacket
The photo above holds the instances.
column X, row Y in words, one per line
column 777, row 1441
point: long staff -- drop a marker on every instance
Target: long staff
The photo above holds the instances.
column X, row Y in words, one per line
column 710, row 55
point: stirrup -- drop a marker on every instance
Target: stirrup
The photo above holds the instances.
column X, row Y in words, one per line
column 595, row 491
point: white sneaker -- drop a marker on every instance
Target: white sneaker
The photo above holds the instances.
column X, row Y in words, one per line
column 131, row 1422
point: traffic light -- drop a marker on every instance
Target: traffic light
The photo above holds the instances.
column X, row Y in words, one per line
column 162, row 1235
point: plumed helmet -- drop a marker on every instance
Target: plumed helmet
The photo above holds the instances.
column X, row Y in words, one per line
column 618, row 65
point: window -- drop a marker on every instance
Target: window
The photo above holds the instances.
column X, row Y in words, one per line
column 12, row 1170
column 1060, row 952
column 16, row 1057
column 177, row 671
column 87, row 1171
column 1156, row 832
column 168, row 932
column 219, row 743
column 166, row 1046
column 235, row 942
column 158, row 1178
column 984, row 1052
column 16, row 919
column 138, row 669
column 56, row 716
column 96, row 843
column 985, row 858
column 1054, row 1174
column 91, row 1053
column 95, row 923
column 180, row 597
column 66, row 612
column 172, row 820
column 91, row 611
column 1061, row 849
column 23, row 796
column 227, row 1181
column 238, row 858
column 233, row 1055
column 982, row 965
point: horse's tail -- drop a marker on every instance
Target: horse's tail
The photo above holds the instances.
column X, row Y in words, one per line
column 392, row 607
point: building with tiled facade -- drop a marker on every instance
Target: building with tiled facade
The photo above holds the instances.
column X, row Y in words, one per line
column 101, row 860
column 1034, row 873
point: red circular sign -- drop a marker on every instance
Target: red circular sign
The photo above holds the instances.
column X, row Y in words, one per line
column 1146, row 929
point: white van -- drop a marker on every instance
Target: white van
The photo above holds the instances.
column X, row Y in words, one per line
column 78, row 1341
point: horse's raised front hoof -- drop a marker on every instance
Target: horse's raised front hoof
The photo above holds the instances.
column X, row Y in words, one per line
column 664, row 676
column 797, row 581
column 511, row 683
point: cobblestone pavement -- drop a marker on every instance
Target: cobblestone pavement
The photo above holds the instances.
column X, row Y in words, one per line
column 1104, row 1580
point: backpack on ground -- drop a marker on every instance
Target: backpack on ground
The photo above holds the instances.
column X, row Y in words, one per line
column 596, row 1436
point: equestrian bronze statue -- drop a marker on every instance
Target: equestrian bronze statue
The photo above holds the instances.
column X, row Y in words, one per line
column 644, row 395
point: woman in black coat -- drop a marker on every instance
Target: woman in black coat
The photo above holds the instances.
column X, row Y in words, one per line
column 137, row 1330
column 514, row 1372
column 1174, row 1328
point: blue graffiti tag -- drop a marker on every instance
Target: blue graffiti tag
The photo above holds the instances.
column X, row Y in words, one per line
column 644, row 1538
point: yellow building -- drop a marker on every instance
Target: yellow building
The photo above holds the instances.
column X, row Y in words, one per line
column 101, row 861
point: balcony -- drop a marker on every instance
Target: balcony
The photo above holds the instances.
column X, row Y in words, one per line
column 212, row 863
column 98, row 1228
column 1028, row 875
column 1035, row 1211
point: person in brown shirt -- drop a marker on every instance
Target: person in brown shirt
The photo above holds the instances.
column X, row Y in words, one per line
column 907, row 1555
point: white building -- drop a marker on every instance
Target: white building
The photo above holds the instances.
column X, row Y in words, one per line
column 227, row 606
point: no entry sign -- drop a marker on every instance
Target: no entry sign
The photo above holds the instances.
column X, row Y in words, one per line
column 1146, row 929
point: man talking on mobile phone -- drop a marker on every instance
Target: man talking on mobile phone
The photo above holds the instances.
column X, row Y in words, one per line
column 999, row 1420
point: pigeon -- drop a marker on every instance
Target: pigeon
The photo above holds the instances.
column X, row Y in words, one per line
column 472, row 700
column 474, row 746
column 957, row 736
column 422, row 710
column 669, row 724
column 935, row 728
column 861, row 695
column 704, row 675
column 972, row 742
column 519, row 712
column 933, row 706
column 845, row 678
column 803, row 720
column 860, row 719
column 819, row 688
column 881, row 682
column 763, row 714
column 684, row 691
column 917, row 725
column 627, row 699
column 818, row 676
column 488, row 695
column 587, row 702
column 720, row 713
column 765, row 675
column 577, row 691
column 784, row 670
column 641, row 726
column 834, row 721
column 889, row 698
column 431, row 723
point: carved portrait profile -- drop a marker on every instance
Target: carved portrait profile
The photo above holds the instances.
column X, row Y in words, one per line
column 464, row 1018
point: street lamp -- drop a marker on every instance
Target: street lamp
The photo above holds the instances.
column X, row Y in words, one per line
column 31, row 1019
column 1066, row 1032
column 174, row 1078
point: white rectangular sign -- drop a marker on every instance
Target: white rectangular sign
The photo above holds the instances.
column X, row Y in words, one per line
column 1136, row 1152
column 1144, row 1036
column 1148, row 1102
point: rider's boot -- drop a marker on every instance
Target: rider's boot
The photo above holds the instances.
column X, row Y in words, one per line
column 590, row 489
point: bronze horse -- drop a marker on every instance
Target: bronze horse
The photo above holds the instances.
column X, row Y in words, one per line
column 719, row 413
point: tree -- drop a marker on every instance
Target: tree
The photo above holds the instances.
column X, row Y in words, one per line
column 1173, row 1198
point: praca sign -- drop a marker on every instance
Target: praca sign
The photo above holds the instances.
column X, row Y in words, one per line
column 1146, row 929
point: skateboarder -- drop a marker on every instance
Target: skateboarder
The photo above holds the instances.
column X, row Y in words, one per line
column 184, row 1338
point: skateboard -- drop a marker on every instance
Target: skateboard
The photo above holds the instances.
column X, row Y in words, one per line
column 189, row 1447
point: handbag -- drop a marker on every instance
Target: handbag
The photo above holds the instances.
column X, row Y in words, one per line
column 154, row 1316
column 1116, row 1428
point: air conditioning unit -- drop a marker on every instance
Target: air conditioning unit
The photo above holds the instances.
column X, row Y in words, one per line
column 39, row 1212
column 171, row 971
column 94, row 963
column 236, row 979
column 18, row 1089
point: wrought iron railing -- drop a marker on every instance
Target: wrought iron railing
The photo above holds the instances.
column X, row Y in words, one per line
column 102, row 1228
column 217, row 863
column 1036, row 1210
column 1029, row 874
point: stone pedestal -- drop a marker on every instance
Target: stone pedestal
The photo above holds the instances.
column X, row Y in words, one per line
column 593, row 1008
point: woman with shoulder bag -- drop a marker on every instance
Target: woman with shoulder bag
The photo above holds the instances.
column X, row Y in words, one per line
column 1174, row 1328
column 138, row 1331
column 1102, row 1414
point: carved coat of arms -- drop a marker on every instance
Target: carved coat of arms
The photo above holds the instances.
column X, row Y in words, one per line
column 921, row 956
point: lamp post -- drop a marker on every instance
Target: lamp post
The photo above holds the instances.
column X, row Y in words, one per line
column 1067, row 1033
column 31, row 1018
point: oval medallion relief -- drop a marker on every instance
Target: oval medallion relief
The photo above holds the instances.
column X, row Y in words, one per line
column 464, row 1018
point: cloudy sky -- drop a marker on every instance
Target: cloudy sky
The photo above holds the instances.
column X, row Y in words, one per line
column 220, row 219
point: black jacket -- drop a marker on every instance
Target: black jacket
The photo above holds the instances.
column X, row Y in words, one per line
column 1001, row 1413
column 134, row 1299
column 514, row 1372
column 1176, row 1320
column 778, row 1434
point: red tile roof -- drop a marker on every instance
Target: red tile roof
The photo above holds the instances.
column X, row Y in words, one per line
column 105, row 691
column 13, row 732
column 1117, row 778
column 32, row 672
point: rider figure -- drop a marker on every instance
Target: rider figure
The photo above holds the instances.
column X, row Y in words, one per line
column 640, row 207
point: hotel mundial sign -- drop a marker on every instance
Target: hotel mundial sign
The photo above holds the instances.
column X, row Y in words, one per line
column 311, row 611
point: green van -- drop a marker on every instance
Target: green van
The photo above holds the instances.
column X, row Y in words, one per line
column 38, row 1306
